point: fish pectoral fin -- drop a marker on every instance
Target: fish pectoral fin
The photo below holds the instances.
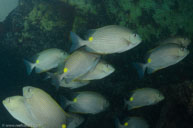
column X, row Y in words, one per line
column 68, row 80
column 127, row 41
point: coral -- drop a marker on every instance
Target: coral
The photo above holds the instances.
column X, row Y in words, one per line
column 128, row 13
column 84, row 6
column 43, row 15
column 78, row 21
column 153, row 18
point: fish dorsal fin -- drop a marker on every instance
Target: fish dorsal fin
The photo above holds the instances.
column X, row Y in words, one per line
column 137, row 89
column 152, row 50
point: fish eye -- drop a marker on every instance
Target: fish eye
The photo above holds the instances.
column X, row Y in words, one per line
column 182, row 48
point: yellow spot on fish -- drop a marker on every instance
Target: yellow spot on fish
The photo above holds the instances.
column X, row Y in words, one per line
column 63, row 125
column 75, row 100
column 37, row 61
column 126, row 124
column 131, row 99
column 65, row 69
column 90, row 39
column 149, row 60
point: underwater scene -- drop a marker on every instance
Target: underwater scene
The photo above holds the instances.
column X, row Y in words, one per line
column 96, row 63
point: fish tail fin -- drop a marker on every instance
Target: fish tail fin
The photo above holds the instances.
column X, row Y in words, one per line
column 126, row 105
column 30, row 66
column 74, row 120
column 68, row 80
column 48, row 75
column 77, row 42
column 55, row 79
column 140, row 69
column 117, row 122
column 64, row 102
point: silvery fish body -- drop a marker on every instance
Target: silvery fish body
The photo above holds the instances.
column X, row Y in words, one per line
column 165, row 56
column 101, row 70
column 107, row 40
column 161, row 57
column 44, row 108
column 56, row 81
column 184, row 42
column 17, row 108
column 87, row 102
column 144, row 97
column 46, row 60
column 79, row 63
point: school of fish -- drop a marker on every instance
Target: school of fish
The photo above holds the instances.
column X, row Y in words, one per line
column 84, row 64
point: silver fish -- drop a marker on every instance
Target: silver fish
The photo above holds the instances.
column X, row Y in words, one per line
column 107, row 40
column 17, row 108
column 161, row 57
column 87, row 102
column 101, row 70
column 44, row 108
column 46, row 60
column 79, row 63
column 144, row 97
column 184, row 42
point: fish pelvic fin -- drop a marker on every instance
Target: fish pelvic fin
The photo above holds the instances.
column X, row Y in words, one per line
column 140, row 69
column 68, row 80
column 134, row 107
column 152, row 70
column 77, row 42
column 48, row 75
column 30, row 66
